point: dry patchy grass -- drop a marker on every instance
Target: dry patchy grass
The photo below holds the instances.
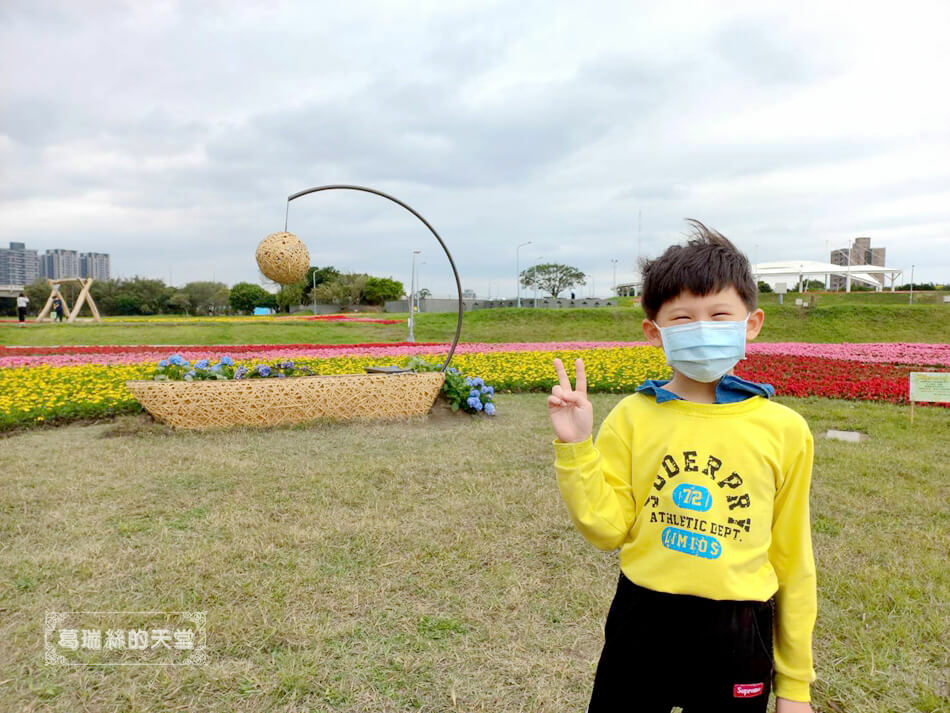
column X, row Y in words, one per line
column 424, row 566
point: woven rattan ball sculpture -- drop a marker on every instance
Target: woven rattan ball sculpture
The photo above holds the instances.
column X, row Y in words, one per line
column 283, row 257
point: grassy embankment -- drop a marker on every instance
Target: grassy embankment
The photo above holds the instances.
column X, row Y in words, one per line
column 854, row 322
column 377, row 568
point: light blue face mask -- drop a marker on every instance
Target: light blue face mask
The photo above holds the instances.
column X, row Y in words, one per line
column 704, row 351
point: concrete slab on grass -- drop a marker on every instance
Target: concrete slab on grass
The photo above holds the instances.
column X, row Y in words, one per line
column 849, row 436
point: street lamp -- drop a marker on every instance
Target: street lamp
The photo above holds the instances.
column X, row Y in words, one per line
column 518, row 268
column 313, row 292
column 847, row 285
column 412, row 294
column 538, row 262
column 614, row 261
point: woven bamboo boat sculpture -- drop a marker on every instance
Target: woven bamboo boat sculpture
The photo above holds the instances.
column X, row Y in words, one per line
column 273, row 401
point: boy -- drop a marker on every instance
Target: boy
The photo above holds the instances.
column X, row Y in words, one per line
column 702, row 482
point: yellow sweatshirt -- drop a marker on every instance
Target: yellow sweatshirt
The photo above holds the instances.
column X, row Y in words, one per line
column 709, row 500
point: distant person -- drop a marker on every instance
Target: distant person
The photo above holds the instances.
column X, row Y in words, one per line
column 21, row 304
column 58, row 308
column 701, row 481
column 572, row 298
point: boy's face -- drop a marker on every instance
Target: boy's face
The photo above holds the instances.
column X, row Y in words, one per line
column 724, row 306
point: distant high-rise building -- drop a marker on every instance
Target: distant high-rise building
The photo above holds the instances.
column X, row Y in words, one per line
column 861, row 253
column 18, row 266
column 94, row 265
column 57, row 264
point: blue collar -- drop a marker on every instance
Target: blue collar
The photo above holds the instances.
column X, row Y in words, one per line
column 730, row 389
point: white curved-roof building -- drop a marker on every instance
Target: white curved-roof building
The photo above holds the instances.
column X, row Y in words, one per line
column 793, row 271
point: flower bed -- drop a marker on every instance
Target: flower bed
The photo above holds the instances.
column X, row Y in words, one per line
column 937, row 355
column 44, row 392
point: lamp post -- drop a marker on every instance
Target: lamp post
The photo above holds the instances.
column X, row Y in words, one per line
column 847, row 282
column 538, row 262
column 614, row 261
column 518, row 268
column 412, row 294
column 911, row 285
column 313, row 292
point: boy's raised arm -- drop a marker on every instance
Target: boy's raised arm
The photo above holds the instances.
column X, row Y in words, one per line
column 594, row 479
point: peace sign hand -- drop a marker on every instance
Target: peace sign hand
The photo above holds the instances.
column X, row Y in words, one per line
column 572, row 415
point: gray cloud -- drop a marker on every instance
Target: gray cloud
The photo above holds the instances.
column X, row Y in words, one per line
column 171, row 135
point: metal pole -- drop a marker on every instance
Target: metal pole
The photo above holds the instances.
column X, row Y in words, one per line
column 911, row 284
column 639, row 221
column 518, row 269
column 313, row 292
column 412, row 297
column 455, row 272
column 614, row 261
column 540, row 258
column 847, row 286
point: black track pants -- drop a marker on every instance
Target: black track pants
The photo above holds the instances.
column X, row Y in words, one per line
column 668, row 651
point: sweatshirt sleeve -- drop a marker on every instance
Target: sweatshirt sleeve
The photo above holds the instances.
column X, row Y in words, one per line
column 595, row 484
column 791, row 556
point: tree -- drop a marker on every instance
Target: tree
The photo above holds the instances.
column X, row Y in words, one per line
column 150, row 295
column 207, row 297
column 380, row 289
column 245, row 296
column 424, row 293
column 289, row 295
column 179, row 302
column 38, row 292
column 323, row 274
column 345, row 290
column 764, row 287
column 552, row 277
column 136, row 295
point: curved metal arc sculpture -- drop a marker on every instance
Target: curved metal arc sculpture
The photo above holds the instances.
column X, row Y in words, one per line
column 458, row 282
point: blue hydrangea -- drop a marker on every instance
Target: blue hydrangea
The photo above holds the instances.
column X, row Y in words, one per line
column 474, row 393
column 452, row 370
column 227, row 360
column 177, row 360
column 201, row 364
column 240, row 372
column 477, row 382
column 475, row 403
column 163, row 363
column 191, row 373
column 216, row 367
column 263, row 369
column 488, row 390
column 468, row 381
column 490, row 409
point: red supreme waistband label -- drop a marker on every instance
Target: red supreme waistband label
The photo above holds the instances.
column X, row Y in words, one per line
column 747, row 690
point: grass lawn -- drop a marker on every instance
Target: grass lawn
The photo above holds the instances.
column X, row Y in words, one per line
column 834, row 323
column 425, row 566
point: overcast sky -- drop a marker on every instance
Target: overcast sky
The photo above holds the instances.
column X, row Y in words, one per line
column 170, row 134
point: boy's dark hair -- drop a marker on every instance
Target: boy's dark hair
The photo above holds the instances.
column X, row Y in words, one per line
column 707, row 263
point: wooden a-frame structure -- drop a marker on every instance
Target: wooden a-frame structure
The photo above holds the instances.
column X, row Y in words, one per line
column 84, row 296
